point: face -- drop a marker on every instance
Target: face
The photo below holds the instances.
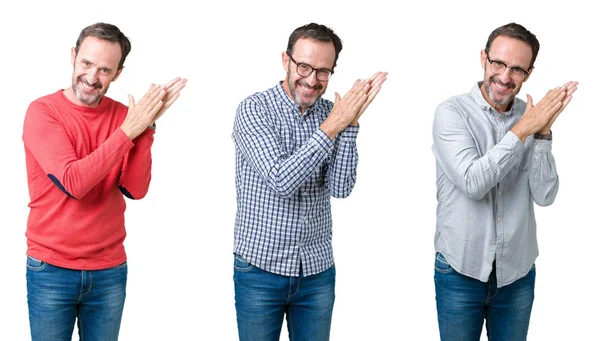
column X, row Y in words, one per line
column 500, row 88
column 305, row 91
column 94, row 68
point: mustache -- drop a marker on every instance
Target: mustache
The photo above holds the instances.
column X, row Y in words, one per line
column 510, row 84
column 96, row 85
column 303, row 83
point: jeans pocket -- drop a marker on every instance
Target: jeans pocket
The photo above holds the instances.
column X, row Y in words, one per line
column 35, row 264
column 441, row 264
column 240, row 264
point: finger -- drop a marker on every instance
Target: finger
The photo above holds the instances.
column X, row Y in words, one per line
column 370, row 97
column 529, row 103
column 336, row 102
column 173, row 86
column 358, row 104
column 356, row 87
column 552, row 97
column 377, row 85
column 167, row 103
column 570, row 84
column 379, row 78
column 176, row 88
column 358, row 100
column 131, row 101
column 571, row 90
column 153, row 103
column 172, row 82
column 353, row 95
column 373, row 93
column 559, row 111
column 155, row 109
column 151, row 97
column 565, row 102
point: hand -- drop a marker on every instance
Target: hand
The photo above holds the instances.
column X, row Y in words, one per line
column 345, row 109
column 570, row 88
column 538, row 116
column 172, row 93
column 376, row 81
column 141, row 115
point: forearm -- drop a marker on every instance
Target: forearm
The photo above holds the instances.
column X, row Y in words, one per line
column 473, row 170
column 76, row 177
column 341, row 174
column 543, row 177
column 137, row 166
column 282, row 173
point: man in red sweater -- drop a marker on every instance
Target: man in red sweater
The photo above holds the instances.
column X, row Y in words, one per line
column 84, row 152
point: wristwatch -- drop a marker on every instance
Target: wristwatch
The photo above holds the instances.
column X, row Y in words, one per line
column 539, row 136
column 153, row 126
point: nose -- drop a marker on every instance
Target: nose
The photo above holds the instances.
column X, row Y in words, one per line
column 505, row 76
column 91, row 76
column 312, row 79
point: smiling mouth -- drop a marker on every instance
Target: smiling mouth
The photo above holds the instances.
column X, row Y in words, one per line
column 503, row 86
column 89, row 87
column 309, row 88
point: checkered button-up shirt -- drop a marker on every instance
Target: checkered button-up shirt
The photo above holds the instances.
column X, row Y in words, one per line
column 286, row 170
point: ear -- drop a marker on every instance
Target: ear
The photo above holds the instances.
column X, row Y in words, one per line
column 483, row 57
column 73, row 56
column 117, row 74
column 285, row 61
column 529, row 74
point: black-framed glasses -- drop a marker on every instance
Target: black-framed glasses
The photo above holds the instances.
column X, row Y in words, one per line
column 306, row 70
column 515, row 71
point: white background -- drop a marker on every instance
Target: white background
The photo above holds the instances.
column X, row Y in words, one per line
column 179, row 241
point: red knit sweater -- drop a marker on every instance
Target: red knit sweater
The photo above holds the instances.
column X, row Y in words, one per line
column 79, row 166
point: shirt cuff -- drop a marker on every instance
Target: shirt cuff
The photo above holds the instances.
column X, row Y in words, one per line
column 323, row 140
column 350, row 133
column 515, row 144
column 541, row 146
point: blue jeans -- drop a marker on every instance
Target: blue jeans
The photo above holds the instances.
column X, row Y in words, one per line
column 263, row 298
column 58, row 296
column 463, row 303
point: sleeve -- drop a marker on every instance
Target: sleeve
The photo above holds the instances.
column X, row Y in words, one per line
column 543, row 177
column 456, row 152
column 137, row 167
column 341, row 173
column 46, row 138
column 257, row 140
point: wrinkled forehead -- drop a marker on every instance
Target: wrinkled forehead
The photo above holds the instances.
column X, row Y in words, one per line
column 98, row 51
column 511, row 51
column 318, row 54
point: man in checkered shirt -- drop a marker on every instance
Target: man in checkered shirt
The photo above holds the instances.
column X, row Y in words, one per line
column 294, row 150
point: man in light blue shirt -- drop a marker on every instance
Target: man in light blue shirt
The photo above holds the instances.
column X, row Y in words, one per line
column 493, row 161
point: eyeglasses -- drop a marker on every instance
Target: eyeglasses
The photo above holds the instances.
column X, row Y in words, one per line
column 515, row 72
column 306, row 70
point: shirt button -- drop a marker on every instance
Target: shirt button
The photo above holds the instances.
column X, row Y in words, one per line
column 500, row 193
column 499, row 219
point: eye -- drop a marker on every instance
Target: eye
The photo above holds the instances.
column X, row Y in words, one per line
column 304, row 68
column 105, row 71
column 518, row 71
column 498, row 64
column 324, row 73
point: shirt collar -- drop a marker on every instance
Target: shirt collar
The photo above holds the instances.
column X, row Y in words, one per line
column 284, row 97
